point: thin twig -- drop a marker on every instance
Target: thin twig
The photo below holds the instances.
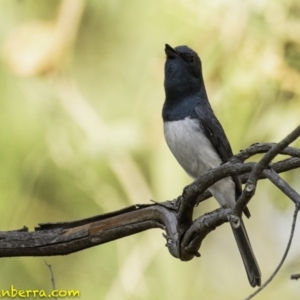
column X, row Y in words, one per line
column 277, row 148
column 264, row 148
column 250, row 187
column 52, row 276
column 278, row 167
column 283, row 258
column 295, row 276
column 282, row 185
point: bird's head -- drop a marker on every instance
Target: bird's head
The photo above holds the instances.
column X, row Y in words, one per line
column 183, row 69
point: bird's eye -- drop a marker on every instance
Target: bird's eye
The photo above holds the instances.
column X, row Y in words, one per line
column 191, row 59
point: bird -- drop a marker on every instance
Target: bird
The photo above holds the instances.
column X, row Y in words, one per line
column 198, row 141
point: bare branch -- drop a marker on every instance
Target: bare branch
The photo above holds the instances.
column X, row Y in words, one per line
column 283, row 258
column 64, row 238
column 52, row 275
column 250, row 187
column 295, row 276
column 200, row 228
column 282, row 185
column 279, row 167
column 183, row 234
column 173, row 216
column 264, row 148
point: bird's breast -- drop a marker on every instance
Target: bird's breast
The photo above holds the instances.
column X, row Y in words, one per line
column 192, row 149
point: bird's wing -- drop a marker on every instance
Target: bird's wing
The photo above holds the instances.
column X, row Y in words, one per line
column 213, row 130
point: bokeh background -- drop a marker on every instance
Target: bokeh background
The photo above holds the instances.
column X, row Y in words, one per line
column 81, row 92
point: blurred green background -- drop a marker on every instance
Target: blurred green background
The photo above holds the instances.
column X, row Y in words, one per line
column 81, row 89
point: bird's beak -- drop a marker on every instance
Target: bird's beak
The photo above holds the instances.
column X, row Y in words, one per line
column 170, row 52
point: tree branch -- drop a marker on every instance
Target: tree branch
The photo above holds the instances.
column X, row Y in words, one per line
column 263, row 164
column 282, row 185
column 183, row 234
column 295, row 276
column 64, row 238
column 283, row 257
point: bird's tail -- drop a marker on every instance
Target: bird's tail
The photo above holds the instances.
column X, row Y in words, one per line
column 249, row 260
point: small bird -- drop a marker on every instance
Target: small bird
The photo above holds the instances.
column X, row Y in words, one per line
column 197, row 140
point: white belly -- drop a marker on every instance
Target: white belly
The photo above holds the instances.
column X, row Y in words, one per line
column 195, row 153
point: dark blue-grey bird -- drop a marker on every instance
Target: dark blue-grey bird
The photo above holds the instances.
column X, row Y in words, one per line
column 197, row 139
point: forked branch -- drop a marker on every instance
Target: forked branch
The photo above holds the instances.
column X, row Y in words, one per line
column 183, row 234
